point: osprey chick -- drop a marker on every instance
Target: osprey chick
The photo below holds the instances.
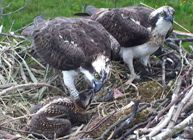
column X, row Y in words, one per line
column 56, row 116
column 76, row 45
column 130, row 27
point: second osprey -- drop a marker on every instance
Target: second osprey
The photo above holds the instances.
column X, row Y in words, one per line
column 139, row 30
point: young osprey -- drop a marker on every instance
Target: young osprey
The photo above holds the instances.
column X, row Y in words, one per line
column 76, row 45
column 55, row 117
column 130, row 27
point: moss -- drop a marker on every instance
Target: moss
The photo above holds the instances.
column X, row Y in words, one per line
column 150, row 90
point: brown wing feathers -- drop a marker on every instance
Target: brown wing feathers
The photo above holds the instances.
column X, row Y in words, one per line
column 53, row 44
column 70, row 43
column 127, row 32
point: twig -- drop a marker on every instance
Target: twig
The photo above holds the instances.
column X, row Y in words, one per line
column 4, row 86
column 180, row 107
column 128, row 132
column 13, row 35
column 168, row 133
column 164, row 73
column 188, row 105
column 182, row 33
column 29, row 85
column 14, row 119
column 9, row 136
column 169, row 115
column 162, row 124
column 104, row 135
column 22, row 131
column 180, row 39
column 127, row 122
column 176, row 90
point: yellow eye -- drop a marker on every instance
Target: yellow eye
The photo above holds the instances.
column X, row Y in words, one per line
column 162, row 14
column 96, row 75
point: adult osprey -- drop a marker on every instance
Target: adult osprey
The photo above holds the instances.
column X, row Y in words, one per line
column 139, row 30
column 76, row 45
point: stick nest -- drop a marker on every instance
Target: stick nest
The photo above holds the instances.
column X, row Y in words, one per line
column 162, row 101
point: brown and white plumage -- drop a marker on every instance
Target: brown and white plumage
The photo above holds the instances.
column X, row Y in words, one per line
column 140, row 31
column 118, row 21
column 56, row 116
column 75, row 44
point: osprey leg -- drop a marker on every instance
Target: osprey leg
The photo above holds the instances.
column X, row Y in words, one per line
column 128, row 59
column 68, row 77
column 145, row 61
column 132, row 71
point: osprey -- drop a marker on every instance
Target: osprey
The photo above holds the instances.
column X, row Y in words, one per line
column 76, row 45
column 139, row 30
column 55, row 117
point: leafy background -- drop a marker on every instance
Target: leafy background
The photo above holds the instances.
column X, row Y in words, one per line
column 54, row 8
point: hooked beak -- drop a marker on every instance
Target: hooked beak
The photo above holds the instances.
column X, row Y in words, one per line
column 169, row 18
column 98, row 84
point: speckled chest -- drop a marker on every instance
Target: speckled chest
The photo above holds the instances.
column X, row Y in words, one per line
column 156, row 40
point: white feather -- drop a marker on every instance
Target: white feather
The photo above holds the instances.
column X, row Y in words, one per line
column 69, row 77
column 1, row 28
column 87, row 74
column 138, row 51
column 137, row 22
column 100, row 64
column 142, row 51
column 162, row 26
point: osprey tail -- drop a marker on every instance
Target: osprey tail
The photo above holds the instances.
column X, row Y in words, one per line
column 89, row 10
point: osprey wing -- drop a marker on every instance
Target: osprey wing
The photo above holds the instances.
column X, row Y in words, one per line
column 55, row 44
column 138, row 13
column 125, row 30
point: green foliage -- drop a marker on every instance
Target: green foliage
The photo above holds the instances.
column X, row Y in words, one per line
column 54, row 8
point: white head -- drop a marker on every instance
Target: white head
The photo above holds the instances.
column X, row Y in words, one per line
column 162, row 19
column 102, row 66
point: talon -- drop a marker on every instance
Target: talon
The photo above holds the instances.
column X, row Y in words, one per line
column 132, row 77
column 135, row 76
column 149, row 69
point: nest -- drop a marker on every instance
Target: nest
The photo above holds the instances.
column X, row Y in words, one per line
column 160, row 100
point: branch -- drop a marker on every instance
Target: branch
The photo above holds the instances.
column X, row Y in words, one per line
column 182, row 33
column 13, row 35
column 9, row 136
column 162, row 124
column 129, row 131
column 29, row 85
column 175, row 130
column 174, row 101
column 180, row 107
column 106, row 132
column 180, row 39
column 125, row 125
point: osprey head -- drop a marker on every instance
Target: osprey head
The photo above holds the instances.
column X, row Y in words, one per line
column 101, row 66
column 161, row 19
column 84, row 98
